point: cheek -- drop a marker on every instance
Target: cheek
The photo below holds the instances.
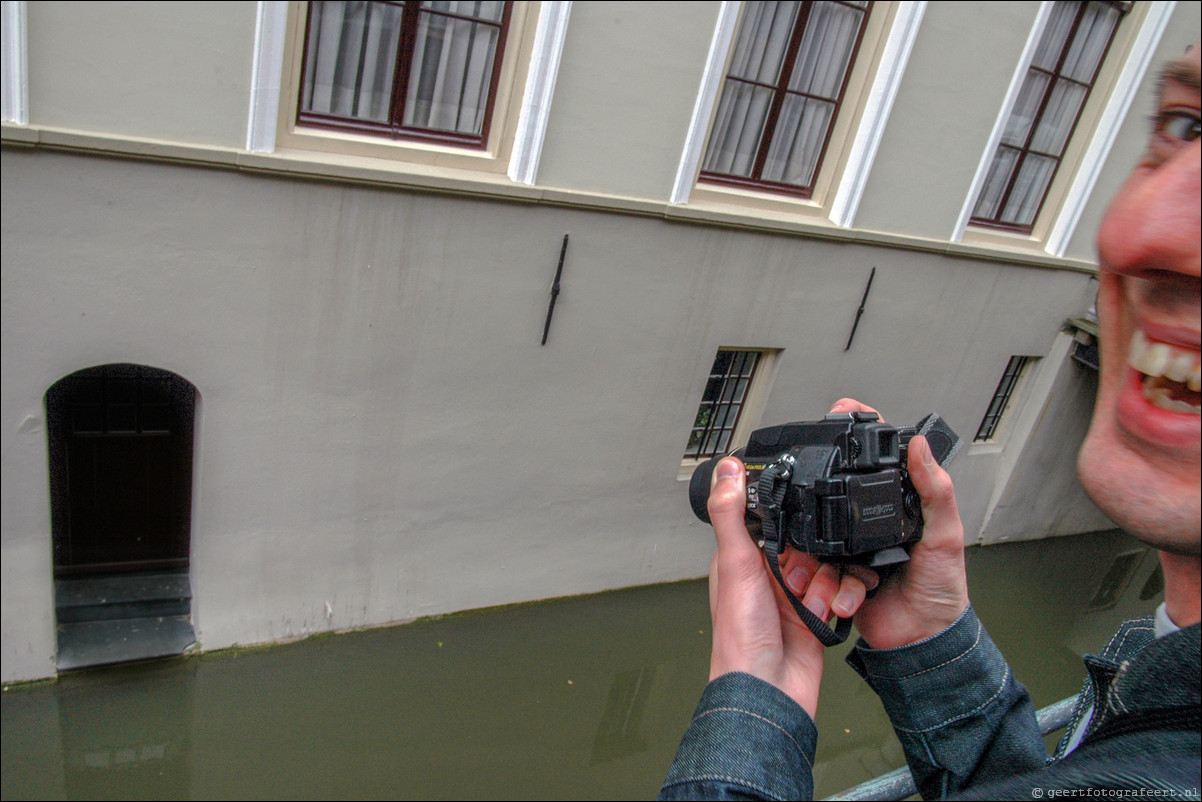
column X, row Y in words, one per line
column 1116, row 240
column 1112, row 323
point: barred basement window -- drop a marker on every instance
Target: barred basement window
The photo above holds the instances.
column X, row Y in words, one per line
column 414, row 70
column 1001, row 397
column 723, row 402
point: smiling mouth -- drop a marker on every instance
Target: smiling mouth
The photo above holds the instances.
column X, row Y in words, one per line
column 1171, row 374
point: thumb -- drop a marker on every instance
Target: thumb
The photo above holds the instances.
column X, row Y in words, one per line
column 941, row 516
column 727, row 507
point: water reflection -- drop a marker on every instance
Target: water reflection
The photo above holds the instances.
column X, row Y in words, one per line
column 578, row 698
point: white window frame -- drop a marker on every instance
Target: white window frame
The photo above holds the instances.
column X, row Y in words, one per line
column 14, row 84
column 533, row 54
column 1114, row 90
column 840, row 201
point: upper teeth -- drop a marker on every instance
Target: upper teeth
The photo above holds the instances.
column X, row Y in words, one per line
column 1162, row 359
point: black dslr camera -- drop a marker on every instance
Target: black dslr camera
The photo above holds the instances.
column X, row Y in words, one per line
column 837, row 488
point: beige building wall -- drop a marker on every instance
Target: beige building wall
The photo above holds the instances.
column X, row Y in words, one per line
column 162, row 71
column 380, row 435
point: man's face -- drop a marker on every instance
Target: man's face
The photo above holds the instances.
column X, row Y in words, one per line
column 1140, row 460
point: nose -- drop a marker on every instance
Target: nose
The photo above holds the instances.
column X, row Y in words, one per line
column 1154, row 224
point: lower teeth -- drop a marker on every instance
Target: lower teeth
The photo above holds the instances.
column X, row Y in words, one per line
column 1159, row 396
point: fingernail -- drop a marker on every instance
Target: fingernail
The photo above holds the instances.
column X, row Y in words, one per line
column 727, row 469
column 798, row 579
column 842, row 604
column 836, row 407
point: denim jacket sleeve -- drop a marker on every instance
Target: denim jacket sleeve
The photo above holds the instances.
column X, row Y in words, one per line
column 962, row 718
column 747, row 740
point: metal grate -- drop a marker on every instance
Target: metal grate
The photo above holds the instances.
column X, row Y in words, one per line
column 1001, row 397
column 725, row 393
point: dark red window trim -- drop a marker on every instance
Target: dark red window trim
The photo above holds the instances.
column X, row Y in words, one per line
column 781, row 90
column 395, row 129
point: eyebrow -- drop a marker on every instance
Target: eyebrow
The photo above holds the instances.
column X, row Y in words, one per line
column 1182, row 72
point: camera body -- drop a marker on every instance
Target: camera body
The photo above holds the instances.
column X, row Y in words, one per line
column 837, row 488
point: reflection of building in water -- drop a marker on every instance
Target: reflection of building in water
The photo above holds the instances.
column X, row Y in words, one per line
column 619, row 733
column 1132, row 586
column 274, row 306
column 125, row 730
column 575, row 698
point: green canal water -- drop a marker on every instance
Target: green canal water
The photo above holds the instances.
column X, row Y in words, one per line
column 579, row 698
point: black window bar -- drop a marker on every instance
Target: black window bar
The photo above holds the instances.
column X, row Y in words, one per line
column 1001, row 397
column 721, row 405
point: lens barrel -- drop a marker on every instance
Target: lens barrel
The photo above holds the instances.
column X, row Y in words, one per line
column 699, row 488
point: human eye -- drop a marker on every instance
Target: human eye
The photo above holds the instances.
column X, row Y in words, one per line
column 1172, row 129
column 1179, row 125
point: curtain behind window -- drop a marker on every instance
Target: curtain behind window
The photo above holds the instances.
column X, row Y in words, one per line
column 352, row 59
column 815, row 84
column 1046, row 111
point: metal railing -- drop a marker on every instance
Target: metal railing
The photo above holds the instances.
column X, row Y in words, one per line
column 898, row 784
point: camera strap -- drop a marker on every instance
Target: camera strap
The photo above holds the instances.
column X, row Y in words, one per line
column 772, row 495
column 822, row 631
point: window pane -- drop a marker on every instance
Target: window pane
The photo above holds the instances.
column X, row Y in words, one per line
column 763, row 38
column 1090, row 43
column 995, row 184
column 722, row 363
column 744, row 363
column 1033, row 179
column 452, row 74
column 1018, row 126
column 800, row 133
column 87, row 419
column 1058, row 118
column 1051, row 44
column 737, row 129
column 351, row 59
column 826, row 48
column 468, row 8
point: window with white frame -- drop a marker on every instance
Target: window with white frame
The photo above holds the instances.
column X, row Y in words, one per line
column 416, row 70
column 722, row 403
column 1003, row 396
column 1037, row 132
column 786, row 80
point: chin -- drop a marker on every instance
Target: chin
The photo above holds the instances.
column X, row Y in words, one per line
column 1157, row 503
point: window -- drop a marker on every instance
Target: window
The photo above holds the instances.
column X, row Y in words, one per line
column 120, row 439
column 783, row 89
column 722, row 404
column 1037, row 132
column 415, row 70
column 1001, row 397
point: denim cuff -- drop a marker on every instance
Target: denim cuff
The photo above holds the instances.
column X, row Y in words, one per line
column 935, row 682
column 746, row 737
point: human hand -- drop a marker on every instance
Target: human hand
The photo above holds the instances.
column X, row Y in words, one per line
column 756, row 629
column 927, row 594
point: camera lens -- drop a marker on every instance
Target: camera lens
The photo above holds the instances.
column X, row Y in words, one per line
column 699, row 488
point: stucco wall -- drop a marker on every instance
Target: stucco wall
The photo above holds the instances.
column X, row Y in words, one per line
column 173, row 71
column 946, row 106
column 379, row 432
column 379, row 428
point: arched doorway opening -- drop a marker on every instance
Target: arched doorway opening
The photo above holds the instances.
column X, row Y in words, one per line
column 120, row 449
